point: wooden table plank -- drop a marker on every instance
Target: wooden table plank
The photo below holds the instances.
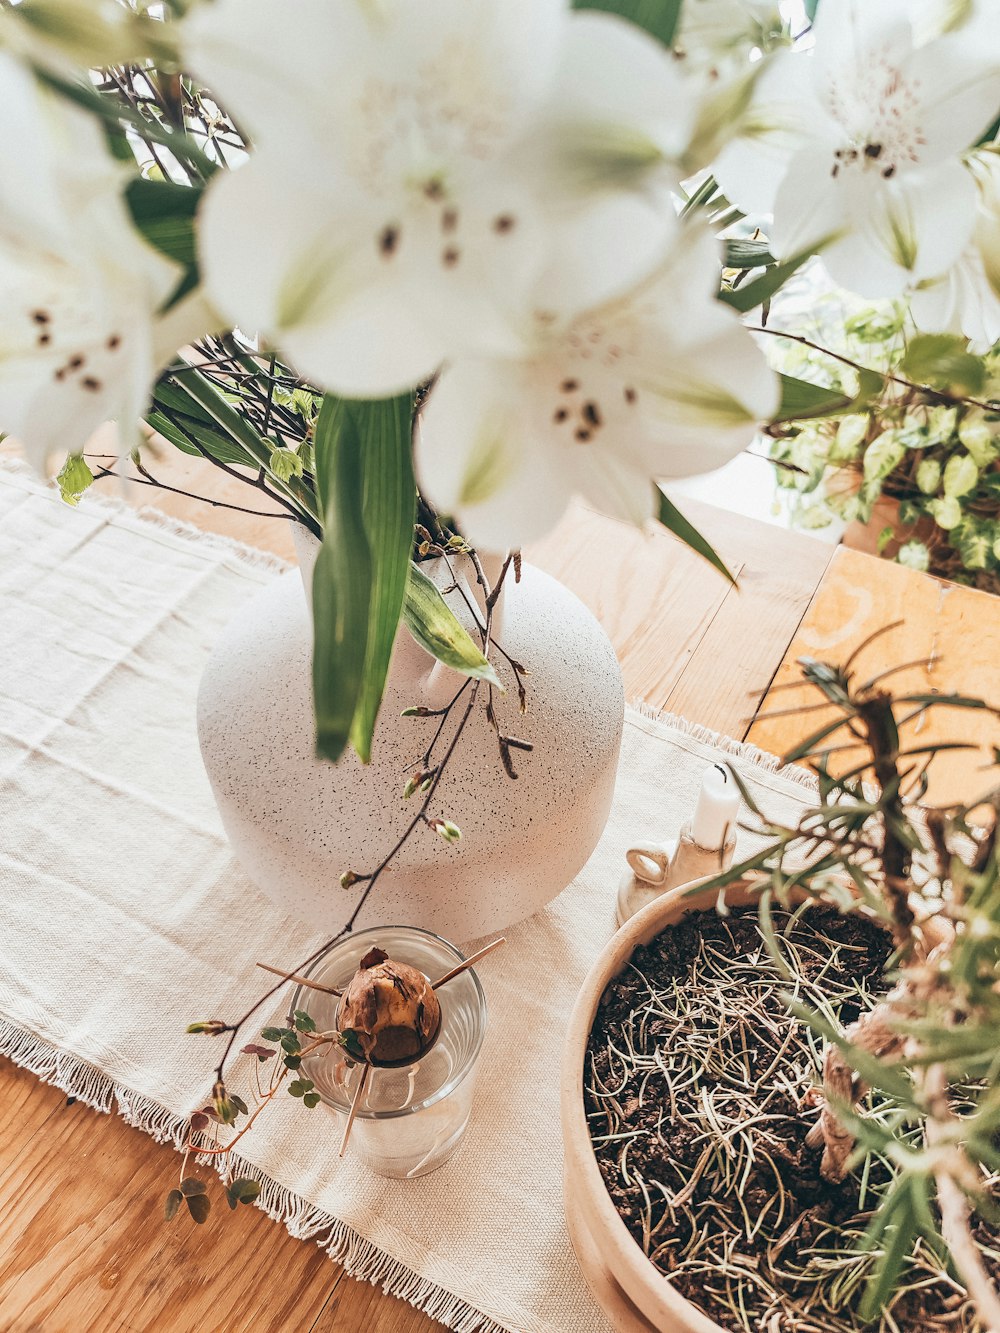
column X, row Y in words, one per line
column 675, row 621
column 84, row 1248
column 957, row 628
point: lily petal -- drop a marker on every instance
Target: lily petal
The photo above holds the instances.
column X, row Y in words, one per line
column 479, row 460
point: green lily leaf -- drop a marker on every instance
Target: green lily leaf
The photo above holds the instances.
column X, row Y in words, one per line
column 674, row 521
column 657, row 17
column 437, row 629
column 753, row 294
column 388, row 511
column 342, row 580
column 365, row 561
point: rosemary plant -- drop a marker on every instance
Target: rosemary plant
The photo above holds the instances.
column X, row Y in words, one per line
column 927, row 1052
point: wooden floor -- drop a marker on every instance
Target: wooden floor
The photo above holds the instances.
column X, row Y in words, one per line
column 83, row 1248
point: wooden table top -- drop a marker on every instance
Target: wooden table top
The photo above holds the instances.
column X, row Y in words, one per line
column 83, row 1247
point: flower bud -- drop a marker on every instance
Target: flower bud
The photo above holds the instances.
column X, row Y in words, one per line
column 221, row 1103
column 210, row 1026
column 444, row 828
column 348, row 879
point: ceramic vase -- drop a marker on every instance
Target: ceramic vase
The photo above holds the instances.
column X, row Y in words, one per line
column 296, row 822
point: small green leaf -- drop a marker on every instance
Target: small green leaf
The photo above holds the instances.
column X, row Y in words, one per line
column 243, row 1190
column 850, row 436
column 883, row 455
column 801, row 400
column 437, row 629
column 311, row 1099
column 292, row 1061
column 164, row 212
column 351, row 1044
column 290, row 1043
column 979, row 439
column 304, row 1022
column 885, row 537
column 174, row 1200
column 753, row 294
column 674, row 521
column 946, row 512
column 73, row 479
column 943, row 361
column 741, row 253
column 960, row 475
column 928, row 475
column 297, row 1087
column 191, row 1186
column 285, row 463
column 273, row 1034
column 199, row 1206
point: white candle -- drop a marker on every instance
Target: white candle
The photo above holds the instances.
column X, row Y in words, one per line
column 717, row 810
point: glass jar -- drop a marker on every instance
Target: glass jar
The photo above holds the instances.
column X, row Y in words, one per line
column 410, row 1119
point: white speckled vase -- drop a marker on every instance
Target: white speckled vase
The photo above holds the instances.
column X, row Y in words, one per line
column 296, row 822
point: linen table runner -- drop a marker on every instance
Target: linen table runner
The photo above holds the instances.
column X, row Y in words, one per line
column 123, row 915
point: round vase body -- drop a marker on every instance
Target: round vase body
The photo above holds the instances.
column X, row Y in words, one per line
column 296, row 822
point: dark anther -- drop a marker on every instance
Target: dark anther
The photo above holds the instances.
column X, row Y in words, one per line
column 434, row 189
column 114, row 342
column 568, row 386
column 888, row 172
column 503, row 223
column 450, row 257
column 40, row 316
column 591, row 414
column 560, row 414
column 61, row 373
column 449, row 219
column 629, row 394
column 836, row 170
column 388, row 241
column 75, row 362
column 873, row 150
column 583, row 435
column 44, row 339
column 90, row 383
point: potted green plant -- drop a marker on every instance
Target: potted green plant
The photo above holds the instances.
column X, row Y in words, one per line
column 914, row 472
column 779, row 1084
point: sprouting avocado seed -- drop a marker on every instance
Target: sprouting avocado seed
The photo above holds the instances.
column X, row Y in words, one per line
column 389, row 1012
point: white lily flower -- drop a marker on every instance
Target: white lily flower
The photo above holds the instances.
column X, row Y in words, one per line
column 415, row 167
column 79, row 289
column 662, row 382
column 985, row 166
column 960, row 301
column 863, row 141
column 966, row 298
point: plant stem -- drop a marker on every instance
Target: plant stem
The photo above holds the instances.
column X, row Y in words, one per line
column 940, row 394
column 371, row 879
column 954, row 1207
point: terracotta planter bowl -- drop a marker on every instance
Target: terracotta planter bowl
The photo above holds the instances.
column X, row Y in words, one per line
column 633, row 1294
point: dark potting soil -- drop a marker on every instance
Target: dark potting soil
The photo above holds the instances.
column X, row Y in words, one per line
column 699, row 1095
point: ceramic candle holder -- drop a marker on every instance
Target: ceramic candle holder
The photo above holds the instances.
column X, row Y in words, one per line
column 410, row 1118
